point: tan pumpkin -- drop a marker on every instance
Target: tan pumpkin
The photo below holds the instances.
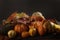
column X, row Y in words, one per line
column 20, row 28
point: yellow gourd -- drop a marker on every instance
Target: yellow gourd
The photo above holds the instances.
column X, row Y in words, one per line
column 11, row 34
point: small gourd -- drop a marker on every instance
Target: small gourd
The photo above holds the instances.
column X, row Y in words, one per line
column 11, row 34
column 32, row 31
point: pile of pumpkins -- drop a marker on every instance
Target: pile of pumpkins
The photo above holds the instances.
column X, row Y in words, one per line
column 25, row 25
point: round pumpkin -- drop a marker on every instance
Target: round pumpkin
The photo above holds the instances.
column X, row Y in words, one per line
column 11, row 34
column 20, row 28
column 25, row 34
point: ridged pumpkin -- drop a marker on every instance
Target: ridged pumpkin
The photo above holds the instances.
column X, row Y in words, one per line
column 40, row 28
column 19, row 28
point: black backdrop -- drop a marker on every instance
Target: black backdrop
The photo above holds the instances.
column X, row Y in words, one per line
column 49, row 8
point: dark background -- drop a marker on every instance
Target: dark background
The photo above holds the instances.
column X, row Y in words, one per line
column 49, row 8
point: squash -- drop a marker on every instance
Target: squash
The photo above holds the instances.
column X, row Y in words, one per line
column 32, row 31
column 23, row 14
column 11, row 33
column 33, row 24
column 24, row 34
column 19, row 28
column 40, row 28
column 37, row 16
column 11, row 17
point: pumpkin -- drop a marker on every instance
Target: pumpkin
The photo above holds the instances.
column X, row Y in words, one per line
column 11, row 34
column 33, row 24
column 40, row 28
column 12, row 16
column 19, row 28
column 23, row 14
column 24, row 34
column 37, row 16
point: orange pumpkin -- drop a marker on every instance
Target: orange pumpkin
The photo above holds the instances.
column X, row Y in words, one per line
column 36, row 18
column 33, row 24
column 12, row 16
column 40, row 28
column 20, row 28
column 25, row 34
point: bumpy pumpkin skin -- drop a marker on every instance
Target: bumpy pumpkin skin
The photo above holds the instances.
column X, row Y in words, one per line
column 20, row 28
